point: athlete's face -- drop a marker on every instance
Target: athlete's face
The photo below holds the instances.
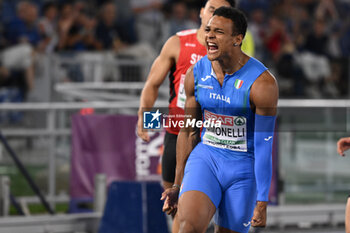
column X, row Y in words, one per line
column 209, row 8
column 219, row 38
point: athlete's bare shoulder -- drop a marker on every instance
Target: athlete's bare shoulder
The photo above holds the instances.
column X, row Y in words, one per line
column 264, row 91
column 266, row 78
column 189, row 81
column 171, row 48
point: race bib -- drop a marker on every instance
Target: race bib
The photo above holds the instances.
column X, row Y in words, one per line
column 181, row 96
column 232, row 134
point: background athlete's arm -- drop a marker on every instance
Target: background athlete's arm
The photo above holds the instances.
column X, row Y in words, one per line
column 160, row 67
column 264, row 97
column 187, row 139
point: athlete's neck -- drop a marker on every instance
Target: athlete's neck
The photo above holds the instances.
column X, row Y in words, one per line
column 230, row 64
column 201, row 36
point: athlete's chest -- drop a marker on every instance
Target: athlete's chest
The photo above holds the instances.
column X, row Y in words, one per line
column 230, row 94
column 224, row 103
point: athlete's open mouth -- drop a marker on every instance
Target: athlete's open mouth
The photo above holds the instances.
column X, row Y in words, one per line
column 212, row 47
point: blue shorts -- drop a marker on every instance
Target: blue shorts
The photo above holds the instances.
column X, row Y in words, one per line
column 228, row 181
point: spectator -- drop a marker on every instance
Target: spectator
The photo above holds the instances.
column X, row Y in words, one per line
column 179, row 19
column 65, row 22
column 48, row 27
column 248, row 6
column 257, row 28
column 276, row 37
column 292, row 80
column 107, row 32
column 317, row 41
column 326, row 9
column 300, row 26
column 193, row 4
column 14, row 79
column 24, row 27
column 76, row 29
column 148, row 20
column 126, row 21
column 193, row 16
column 20, row 37
column 345, row 38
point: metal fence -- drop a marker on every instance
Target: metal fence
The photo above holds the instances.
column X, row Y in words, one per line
column 307, row 157
column 309, row 168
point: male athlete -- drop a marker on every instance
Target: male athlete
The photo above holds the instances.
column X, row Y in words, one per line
column 228, row 170
column 178, row 54
column 343, row 145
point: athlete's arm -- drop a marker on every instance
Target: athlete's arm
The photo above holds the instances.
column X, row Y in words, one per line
column 160, row 67
column 264, row 97
column 187, row 139
column 347, row 216
column 188, row 136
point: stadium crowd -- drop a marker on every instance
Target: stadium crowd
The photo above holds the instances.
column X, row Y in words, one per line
column 305, row 42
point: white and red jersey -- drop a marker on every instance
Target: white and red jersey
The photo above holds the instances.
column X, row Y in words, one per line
column 191, row 51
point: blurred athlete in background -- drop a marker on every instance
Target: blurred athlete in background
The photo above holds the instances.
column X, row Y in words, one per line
column 177, row 55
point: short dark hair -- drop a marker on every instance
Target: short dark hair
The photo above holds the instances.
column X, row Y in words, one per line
column 231, row 2
column 237, row 17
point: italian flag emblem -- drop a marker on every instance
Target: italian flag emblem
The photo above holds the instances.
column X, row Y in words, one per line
column 238, row 83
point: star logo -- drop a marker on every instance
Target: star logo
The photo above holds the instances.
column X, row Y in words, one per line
column 151, row 120
column 155, row 115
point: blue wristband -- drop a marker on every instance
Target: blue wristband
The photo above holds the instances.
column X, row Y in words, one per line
column 263, row 139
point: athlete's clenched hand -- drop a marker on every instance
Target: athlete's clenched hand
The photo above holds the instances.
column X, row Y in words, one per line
column 343, row 145
column 141, row 132
column 259, row 216
column 170, row 197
